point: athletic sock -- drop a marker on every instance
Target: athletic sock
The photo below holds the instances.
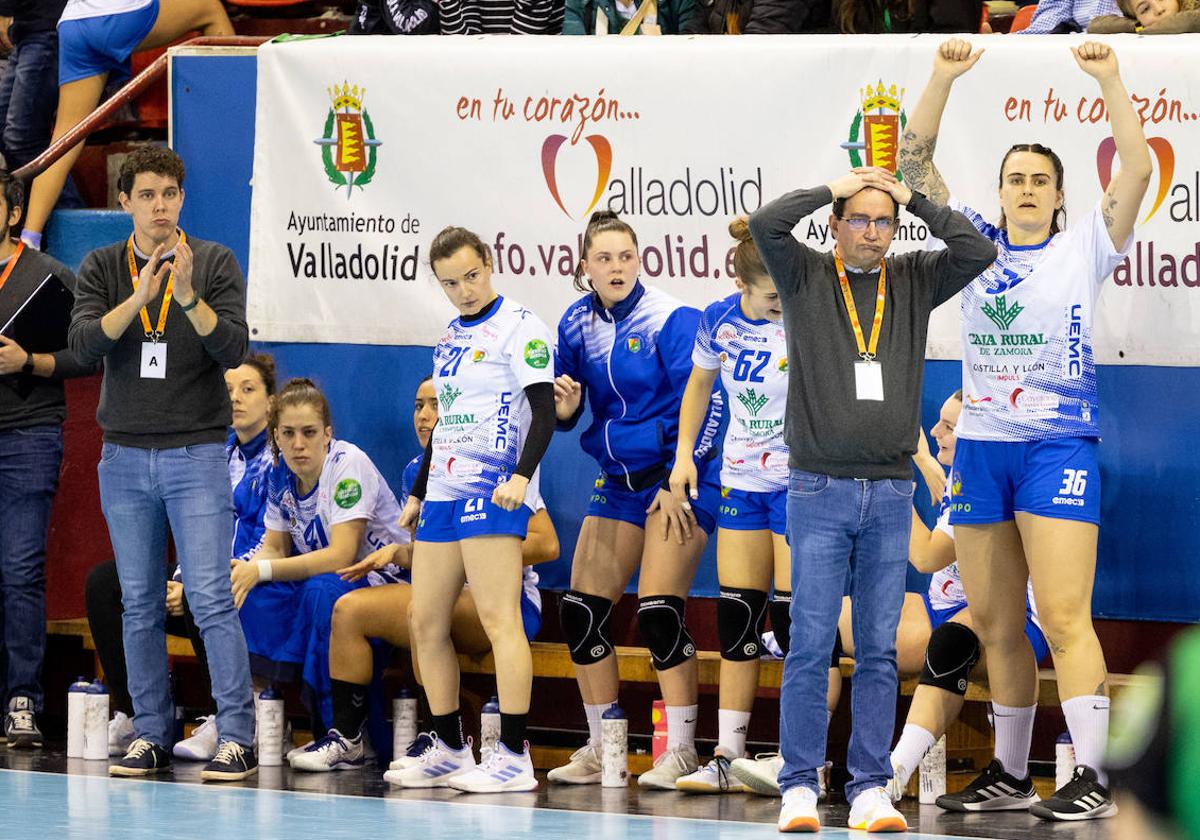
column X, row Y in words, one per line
column 349, row 707
column 594, row 712
column 731, row 732
column 449, row 729
column 512, row 732
column 1014, row 731
column 681, row 727
column 1087, row 720
column 914, row 742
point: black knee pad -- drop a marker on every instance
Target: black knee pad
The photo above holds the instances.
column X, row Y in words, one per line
column 781, row 619
column 835, row 658
column 741, row 614
column 586, row 624
column 660, row 618
column 952, row 651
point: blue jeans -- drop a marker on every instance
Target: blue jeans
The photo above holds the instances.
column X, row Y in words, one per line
column 142, row 492
column 28, row 100
column 839, row 528
column 29, row 462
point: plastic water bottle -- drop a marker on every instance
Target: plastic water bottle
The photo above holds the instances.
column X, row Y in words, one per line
column 270, row 728
column 933, row 773
column 404, row 722
column 489, row 725
column 658, row 716
column 1064, row 760
column 76, row 717
column 95, row 722
column 614, row 748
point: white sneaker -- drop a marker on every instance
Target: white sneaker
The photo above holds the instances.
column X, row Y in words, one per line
column 435, row 768
column 295, row 751
column 713, row 777
column 583, row 768
column 202, row 746
column 333, row 752
column 895, row 790
column 501, row 770
column 413, row 754
column 872, row 810
column 120, row 734
column 799, row 811
column 759, row 774
column 668, row 767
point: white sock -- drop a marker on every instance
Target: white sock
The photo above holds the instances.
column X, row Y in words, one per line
column 1087, row 720
column 681, row 727
column 731, row 732
column 1014, row 731
column 594, row 712
column 914, row 742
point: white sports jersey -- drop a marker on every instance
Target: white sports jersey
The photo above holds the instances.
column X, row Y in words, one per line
column 1028, row 368
column 350, row 488
column 945, row 586
column 480, row 372
column 752, row 358
column 83, row 9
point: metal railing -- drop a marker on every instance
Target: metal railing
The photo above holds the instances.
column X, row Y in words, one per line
column 134, row 88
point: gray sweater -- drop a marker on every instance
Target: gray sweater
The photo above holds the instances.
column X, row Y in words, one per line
column 190, row 406
column 828, row 429
column 45, row 403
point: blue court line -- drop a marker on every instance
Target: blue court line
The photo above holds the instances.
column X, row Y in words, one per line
column 92, row 807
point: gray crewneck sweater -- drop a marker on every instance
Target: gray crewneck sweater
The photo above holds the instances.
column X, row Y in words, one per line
column 190, row 406
column 828, row 429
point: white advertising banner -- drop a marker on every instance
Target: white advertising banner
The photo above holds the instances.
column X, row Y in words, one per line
column 366, row 147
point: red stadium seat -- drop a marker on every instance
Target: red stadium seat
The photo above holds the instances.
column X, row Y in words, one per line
column 1023, row 18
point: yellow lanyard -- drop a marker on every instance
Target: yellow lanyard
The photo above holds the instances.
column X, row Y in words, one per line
column 157, row 333
column 867, row 353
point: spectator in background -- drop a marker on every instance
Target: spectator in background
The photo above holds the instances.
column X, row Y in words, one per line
column 500, row 17
column 870, row 17
column 1057, row 17
column 395, row 17
column 96, row 39
column 32, row 411
column 29, row 90
column 610, row 17
column 165, row 417
column 744, row 17
column 1150, row 17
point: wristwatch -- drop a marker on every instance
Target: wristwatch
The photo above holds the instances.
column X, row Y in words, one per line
column 28, row 366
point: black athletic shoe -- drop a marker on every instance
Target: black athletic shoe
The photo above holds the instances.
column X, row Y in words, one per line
column 20, row 725
column 992, row 790
column 1082, row 798
column 142, row 759
column 232, row 763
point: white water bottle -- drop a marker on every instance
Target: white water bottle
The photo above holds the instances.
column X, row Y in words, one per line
column 614, row 748
column 933, row 773
column 95, row 722
column 404, row 722
column 489, row 725
column 76, row 717
column 1064, row 760
column 270, row 728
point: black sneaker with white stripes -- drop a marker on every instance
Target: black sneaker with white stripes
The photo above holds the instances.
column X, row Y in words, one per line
column 992, row 790
column 1082, row 798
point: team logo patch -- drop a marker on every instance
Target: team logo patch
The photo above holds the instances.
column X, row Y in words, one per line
column 478, row 356
column 634, row 343
column 347, row 493
column 724, row 492
column 537, row 354
column 348, row 144
column 600, row 483
column 783, row 365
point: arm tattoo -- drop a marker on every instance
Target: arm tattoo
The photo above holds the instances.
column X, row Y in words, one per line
column 1106, row 210
column 915, row 159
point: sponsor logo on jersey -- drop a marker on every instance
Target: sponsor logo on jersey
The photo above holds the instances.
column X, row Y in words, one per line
column 600, row 483
column 783, row 368
column 724, row 492
column 752, row 400
column 1073, row 361
column 478, row 356
column 634, row 343
column 448, row 395
column 537, row 354
column 727, row 333
column 1000, row 313
column 448, row 420
column 348, row 493
column 1025, row 400
column 500, row 442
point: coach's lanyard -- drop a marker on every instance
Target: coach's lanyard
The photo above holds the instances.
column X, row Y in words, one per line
column 12, row 262
column 157, row 332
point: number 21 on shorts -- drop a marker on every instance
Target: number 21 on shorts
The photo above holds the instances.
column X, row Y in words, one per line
column 1074, row 483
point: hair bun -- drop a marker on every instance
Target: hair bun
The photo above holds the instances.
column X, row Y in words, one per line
column 601, row 216
column 739, row 229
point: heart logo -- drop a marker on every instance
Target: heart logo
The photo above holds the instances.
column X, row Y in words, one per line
column 1162, row 149
column 603, row 152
